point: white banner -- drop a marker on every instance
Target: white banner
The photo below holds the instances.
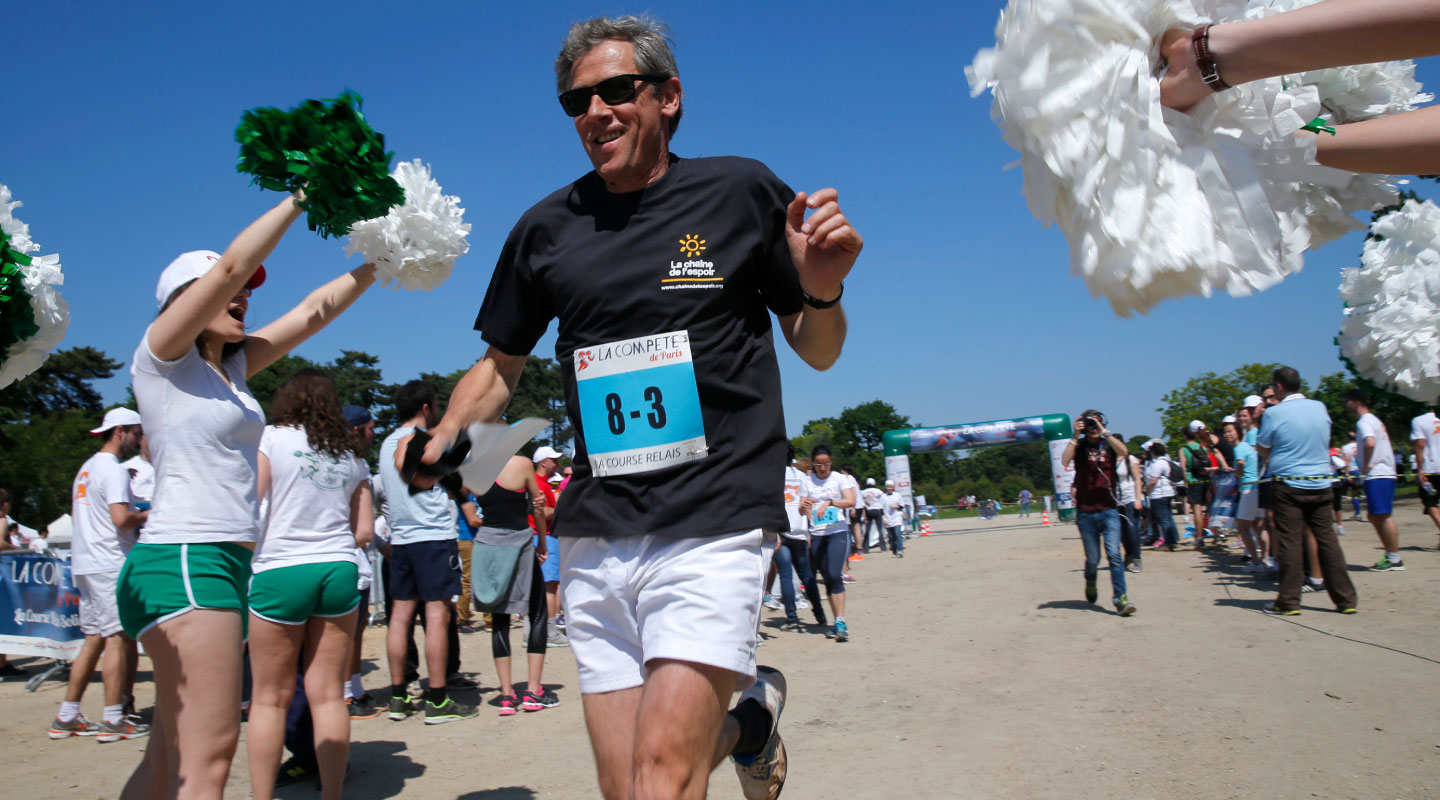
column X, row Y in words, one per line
column 1064, row 476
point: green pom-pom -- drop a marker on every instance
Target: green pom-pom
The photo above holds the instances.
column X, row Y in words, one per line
column 326, row 148
column 17, row 316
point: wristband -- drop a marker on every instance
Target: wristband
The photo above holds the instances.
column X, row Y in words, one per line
column 815, row 302
column 1205, row 60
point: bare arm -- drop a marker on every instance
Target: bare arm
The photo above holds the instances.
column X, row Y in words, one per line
column 1069, row 455
column 262, row 476
column 175, row 330
column 472, row 514
column 847, row 499
column 362, row 515
column 1334, row 33
column 316, row 311
column 1369, row 447
column 823, row 249
column 1400, row 144
column 5, row 525
column 123, row 517
column 536, row 496
column 480, row 396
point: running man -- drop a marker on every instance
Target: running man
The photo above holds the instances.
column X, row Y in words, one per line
column 663, row 272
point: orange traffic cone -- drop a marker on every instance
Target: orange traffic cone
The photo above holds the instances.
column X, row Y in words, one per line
column 924, row 529
column 1044, row 518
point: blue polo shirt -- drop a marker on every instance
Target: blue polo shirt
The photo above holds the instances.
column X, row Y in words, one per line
column 1297, row 431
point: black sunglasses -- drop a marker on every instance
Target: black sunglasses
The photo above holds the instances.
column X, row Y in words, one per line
column 614, row 91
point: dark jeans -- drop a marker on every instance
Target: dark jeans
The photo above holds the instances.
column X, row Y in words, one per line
column 1097, row 529
column 1162, row 521
column 793, row 556
column 1130, row 532
column 897, row 540
column 875, row 517
column 1294, row 509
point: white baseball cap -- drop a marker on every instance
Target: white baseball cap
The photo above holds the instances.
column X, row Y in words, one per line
column 543, row 452
column 889, row 483
column 116, row 417
column 869, row 481
column 1228, row 418
column 1254, row 400
column 1196, row 426
column 189, row 266
column 556, row 478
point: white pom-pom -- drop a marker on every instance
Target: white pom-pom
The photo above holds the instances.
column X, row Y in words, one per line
column 52, row 313
column 1391, row 331
column 416, row 244
column 1154, row 203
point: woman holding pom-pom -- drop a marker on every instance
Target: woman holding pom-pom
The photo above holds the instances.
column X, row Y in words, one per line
column 1332, row 33
column 183, row 591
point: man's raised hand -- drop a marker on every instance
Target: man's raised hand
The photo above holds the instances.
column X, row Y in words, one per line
column 823, row 247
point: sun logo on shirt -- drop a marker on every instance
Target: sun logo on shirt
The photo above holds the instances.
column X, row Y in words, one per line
column 691, row 245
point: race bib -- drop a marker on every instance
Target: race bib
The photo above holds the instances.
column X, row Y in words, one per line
column 639, row 405
column 830, row 517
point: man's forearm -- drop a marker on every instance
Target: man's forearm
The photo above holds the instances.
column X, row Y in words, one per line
column 817, row 336
column 481, row 396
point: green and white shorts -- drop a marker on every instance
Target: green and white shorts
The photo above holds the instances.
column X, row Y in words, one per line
column 162, row 581
column 291, row 595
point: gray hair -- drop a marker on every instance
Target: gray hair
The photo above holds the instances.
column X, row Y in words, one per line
column 649, row 36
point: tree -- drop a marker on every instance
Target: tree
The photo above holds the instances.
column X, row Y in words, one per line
column 1209, row 397
column 1394, row 410
column 540, row 392
column 45, row 421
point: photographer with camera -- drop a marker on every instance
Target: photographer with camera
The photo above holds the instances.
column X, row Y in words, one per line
column 1095, row 452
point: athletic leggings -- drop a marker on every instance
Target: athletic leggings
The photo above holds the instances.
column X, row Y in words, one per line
column 539, row 624
column 828, row 554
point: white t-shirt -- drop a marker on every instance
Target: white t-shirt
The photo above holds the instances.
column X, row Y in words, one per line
column 1383, row 456
column 894, row 507
column 1160, row 470
column 426, row 516
column 204, row 441
column 1349, row 450
column 794, row 493
column 831, row 519
column 309, row 519
column 142, row 478
column 1427, row 427
column 872, row 498
column 96, row 545
column 1127, row 482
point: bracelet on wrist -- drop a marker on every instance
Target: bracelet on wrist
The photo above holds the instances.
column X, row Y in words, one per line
column 815, row 302
column 1205, row 60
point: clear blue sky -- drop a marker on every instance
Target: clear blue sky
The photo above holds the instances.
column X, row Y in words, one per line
column 119, row 139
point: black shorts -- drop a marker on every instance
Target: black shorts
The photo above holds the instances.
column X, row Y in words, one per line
column 1267, row 494
column 1195, row 493
column 1429, row 500
column 425, row 571
column 1338, row 489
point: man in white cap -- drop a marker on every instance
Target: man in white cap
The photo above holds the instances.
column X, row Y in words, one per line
column 874, row 515
column 105, row 523
column 893, row 505
column 547, row 474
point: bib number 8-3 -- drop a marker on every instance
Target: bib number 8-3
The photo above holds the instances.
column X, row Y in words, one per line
column 615, row 415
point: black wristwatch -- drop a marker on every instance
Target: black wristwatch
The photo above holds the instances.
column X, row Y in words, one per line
column 815, row 302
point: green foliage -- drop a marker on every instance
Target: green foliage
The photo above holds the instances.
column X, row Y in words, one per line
column 1209, row 398
column 1394, row 410
column 45, row 421
column 540, row 392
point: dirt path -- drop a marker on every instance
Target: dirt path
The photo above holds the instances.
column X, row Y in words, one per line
column 975, row 670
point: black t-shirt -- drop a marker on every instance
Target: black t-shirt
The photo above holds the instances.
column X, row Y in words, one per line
column 701, row 250
column 1227, row 450
column 1096, row 483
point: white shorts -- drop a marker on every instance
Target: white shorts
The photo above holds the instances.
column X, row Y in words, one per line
column 1248, row 508
column 632, row 599
column 99, row 610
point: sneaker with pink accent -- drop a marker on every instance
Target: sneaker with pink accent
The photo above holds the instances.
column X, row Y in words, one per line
column 509, row 705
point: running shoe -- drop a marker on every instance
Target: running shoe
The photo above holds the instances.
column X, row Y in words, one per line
column 292, row 771
column 509, row 705
column 1349, row 611
column 762, row 776
column 560, row 620
column 1386, row 565
column 842, row 634
column 847, row 578
column 460, row 681
column 558, row 640
column 402, row 707
column 536, row 702
column 792, row 625
column 1312, row 586
column 773, row 604
column 1282, row 612
column 124, row 729
column 1133, row 566
column 448, row 711
column 361, row 708
column 75, row 727
column 1124, row 607
column 802, row 604
column 1092, row 592
column 853, row 557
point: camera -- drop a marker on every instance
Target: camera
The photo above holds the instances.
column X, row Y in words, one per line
column 1091, row 425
